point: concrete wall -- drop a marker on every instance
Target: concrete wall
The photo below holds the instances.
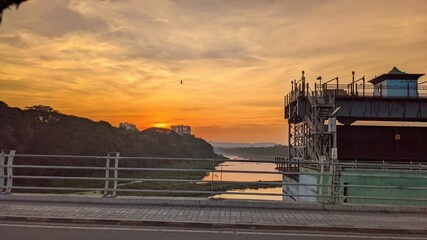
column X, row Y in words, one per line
column 399, row 178
column 295, row 190
column 364, row 177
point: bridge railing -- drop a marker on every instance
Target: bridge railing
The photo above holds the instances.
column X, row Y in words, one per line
column 114, row 175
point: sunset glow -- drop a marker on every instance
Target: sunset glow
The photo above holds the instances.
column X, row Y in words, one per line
column 162, row 125
column 123, row 61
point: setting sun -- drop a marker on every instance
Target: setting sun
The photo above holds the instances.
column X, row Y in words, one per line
column 161, row 125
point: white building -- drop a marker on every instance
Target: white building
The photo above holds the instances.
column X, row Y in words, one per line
column 181, row 129
column 128, row 126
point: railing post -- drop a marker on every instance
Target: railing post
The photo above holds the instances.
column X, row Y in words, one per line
column 2, row 166
column 357, row 91
column 212, row 177
column 336, row 90
column 334, row 172
column 363, row 86
column 307, row 89
column 107, row 174
column 338, row 170
column 220, row 179
column 352, row 83
column 303, row 84
column 331, row 182
column 116, row 173
column 322, row 171
column 10, row 171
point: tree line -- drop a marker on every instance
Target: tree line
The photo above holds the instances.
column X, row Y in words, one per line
column 43, row 130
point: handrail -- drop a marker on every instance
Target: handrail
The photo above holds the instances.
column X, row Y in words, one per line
column 354, row 86
column 325, row 85
column 351, row 90
column 180, row 181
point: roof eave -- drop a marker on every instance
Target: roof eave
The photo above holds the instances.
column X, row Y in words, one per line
column 389, row 76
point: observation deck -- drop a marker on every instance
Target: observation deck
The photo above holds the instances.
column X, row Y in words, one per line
column 312, row 114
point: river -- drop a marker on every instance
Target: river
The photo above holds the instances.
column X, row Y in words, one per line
column 247, row 177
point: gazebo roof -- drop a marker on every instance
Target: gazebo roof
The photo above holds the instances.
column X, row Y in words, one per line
column 395, row 73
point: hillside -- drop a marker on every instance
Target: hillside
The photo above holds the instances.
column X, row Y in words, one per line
column 43, row 130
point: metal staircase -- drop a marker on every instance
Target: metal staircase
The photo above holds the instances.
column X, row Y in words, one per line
column 309, row 138
column 320, row 142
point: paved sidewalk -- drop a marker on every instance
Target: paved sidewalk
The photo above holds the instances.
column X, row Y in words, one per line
column 225, row 217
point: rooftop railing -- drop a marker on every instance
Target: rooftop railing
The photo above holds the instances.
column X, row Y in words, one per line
column 358, row 89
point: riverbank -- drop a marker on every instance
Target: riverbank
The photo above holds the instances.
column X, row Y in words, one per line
column 207, row 184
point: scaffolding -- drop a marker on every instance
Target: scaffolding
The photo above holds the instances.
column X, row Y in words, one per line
column 313, row 138
column 313, row 114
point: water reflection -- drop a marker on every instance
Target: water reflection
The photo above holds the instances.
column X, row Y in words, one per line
column 230, row 195
column 246, row 177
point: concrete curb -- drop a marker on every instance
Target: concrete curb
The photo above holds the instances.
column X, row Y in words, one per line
column 203, row 202
column 177, row 224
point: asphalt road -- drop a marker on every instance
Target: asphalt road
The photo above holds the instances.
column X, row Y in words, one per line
column 29, row 231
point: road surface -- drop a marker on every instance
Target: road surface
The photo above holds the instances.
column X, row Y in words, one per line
column 29, row 231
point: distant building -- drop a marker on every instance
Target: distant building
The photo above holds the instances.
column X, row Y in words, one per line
column 181, row 129
column 396, row 84
column 128, row 126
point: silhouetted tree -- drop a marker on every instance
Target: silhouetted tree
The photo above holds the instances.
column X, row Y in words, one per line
column 42, row 108
column 41, row 129
column 4, row 4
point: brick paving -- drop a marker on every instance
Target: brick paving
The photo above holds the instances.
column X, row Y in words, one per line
column 215, row 215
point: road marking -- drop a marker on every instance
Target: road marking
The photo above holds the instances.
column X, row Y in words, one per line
column 211, row 231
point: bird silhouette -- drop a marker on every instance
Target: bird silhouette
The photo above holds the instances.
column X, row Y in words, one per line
column 181, row 81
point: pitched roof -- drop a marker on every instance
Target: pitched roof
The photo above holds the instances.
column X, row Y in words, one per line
column 395, row 73
column 394, row 70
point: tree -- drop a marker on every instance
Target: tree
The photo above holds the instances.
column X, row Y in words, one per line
column 42, row 108
column 4, row 4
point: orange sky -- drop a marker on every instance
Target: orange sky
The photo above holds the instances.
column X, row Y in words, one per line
column 123, row 60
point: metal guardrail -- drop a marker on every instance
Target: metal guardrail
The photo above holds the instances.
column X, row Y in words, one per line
column 349, row 90
column 346, row 90
column 113, row 175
